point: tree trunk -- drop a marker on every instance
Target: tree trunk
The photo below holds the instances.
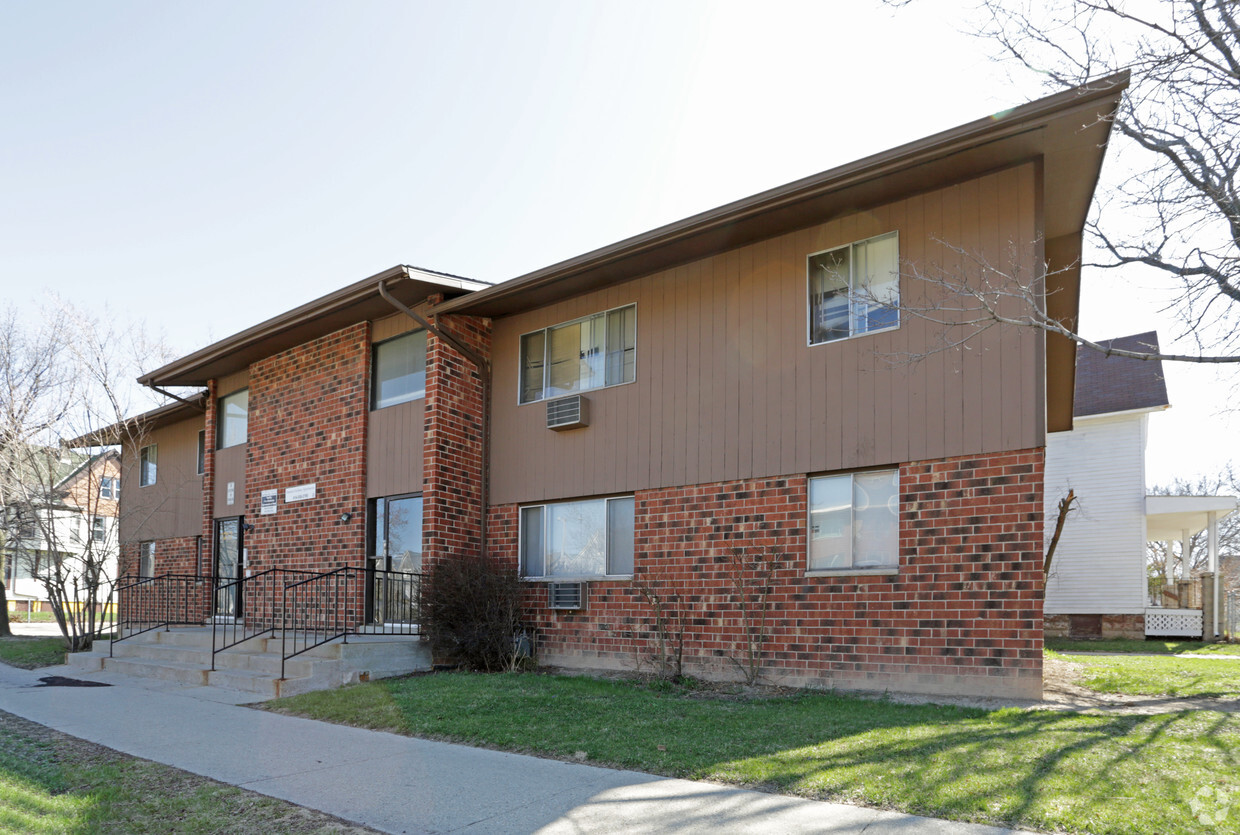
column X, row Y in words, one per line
column 5, row 630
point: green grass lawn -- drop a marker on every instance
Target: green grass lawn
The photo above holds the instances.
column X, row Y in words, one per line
column 1040, row 769
column 1146, row 675
column 32, row 653
column 52, row 783
column 1150, row 647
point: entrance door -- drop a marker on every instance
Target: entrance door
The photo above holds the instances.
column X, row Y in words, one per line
column 229, row 559
column 396, row 561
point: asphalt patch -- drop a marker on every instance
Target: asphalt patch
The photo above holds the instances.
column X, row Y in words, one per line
column 61, row 681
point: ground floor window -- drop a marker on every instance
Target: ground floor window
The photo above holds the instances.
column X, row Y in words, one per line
column 592, row 538
column 395, row 533
column 146, row 560
column 854, row 521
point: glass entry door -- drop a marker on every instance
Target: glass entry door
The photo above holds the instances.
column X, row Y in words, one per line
column 396, row 559
column 229, row 559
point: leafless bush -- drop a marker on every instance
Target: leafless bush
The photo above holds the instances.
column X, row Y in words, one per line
column 471, row 611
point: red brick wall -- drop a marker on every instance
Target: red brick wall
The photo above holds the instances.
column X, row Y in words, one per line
column 307, row 425
column 452, row 443
column 172, row 556
column 962, row 615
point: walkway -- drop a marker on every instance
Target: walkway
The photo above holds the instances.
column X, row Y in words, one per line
column 404, row 785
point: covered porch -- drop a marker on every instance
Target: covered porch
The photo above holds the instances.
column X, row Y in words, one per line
column 1184, row 605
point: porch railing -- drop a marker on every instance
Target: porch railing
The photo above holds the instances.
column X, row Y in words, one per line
column 147, row 603
column 347, row 601
column 245, row 608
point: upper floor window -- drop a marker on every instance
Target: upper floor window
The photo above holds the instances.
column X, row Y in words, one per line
column 234, row 418
column 854, row 521
column 589, row 353
column 148, row 464
column 98, row 529
column 109, row 487
column 202, row 451
column 399, row 370
column 591, row 538
column 854, row 289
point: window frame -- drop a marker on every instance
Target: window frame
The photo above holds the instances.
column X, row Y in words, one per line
column 374, row 369
column 543, row 396
column 565, row 578
column 109, row 488
column 220, row 419
column 809, row 308
column 372, row 527
column 146, row 559
column 98, row 529
column 150, row 459
column 202, row 452
column 892, row 567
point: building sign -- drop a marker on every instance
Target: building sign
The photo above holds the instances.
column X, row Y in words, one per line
column 299, row 493
column 268, row 500
column 232, row 491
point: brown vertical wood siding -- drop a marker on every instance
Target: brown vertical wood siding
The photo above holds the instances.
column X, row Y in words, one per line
column 728, row 388
column 394, row 449
column 230, row 467
column 172, row 506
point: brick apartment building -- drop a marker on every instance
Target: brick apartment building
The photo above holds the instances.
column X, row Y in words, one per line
column 738, row 379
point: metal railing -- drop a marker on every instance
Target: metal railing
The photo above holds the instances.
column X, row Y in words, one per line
column 148, row 603
column 245, row 608
column 347, row 601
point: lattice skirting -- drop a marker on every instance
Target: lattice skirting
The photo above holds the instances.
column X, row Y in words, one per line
column 1173, row 622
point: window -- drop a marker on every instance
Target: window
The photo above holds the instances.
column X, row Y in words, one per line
column 109, row 487
column 590, row 353
column 854, row 521
column 202, row 451
column 98, row 529
column 234, row 418
column 578, row 539
column 146, row 560
column 399, row 370
column 396, row 533
column 148, row 461
column 853, row 289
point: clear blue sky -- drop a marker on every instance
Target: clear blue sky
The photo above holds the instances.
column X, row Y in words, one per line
column 205, row 166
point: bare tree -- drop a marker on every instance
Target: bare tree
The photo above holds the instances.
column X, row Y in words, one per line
column 63, row 377
column 1176, row 210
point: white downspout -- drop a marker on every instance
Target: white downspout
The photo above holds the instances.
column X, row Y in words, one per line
column 1212, row 540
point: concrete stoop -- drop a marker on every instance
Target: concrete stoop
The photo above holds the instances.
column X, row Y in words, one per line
column 184, row 655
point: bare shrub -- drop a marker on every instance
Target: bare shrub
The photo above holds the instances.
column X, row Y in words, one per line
column 471, row 611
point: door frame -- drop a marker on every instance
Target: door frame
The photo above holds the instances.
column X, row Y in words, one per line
column 238, row 598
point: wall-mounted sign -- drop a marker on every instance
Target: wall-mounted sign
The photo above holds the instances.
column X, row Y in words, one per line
column 267, row 502
column 232, row 492
column 299, row 493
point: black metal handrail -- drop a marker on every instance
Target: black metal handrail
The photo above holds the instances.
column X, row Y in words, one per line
column 248, row 607
column 148, row 603
column 348, row 601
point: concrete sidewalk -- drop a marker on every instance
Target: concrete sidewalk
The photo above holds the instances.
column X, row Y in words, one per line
column 405, row 785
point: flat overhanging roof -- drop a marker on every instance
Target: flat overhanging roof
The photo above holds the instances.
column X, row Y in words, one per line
column 357, row 302
column 1168, row 517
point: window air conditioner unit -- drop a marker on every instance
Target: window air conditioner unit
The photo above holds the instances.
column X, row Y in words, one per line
column 567, row 413
column 566, row 595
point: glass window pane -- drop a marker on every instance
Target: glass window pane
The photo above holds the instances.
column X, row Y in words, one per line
column 148, row 465
column 400, row 369
column 829, row 306
column 576, row 539
column 378, row 528
column 620, row 536
column 621, row 346
column 532, row 564
column 234, row 418
column 830, row 522
column 533, row 349
column 877, row 277
column 566, row 360
column 876, row 519
column 404, row 534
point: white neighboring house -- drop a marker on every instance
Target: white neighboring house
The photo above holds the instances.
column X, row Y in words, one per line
column 77, row 517
column 1099, row 583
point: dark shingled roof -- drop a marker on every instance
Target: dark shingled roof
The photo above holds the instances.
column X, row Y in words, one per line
column 1106, row 384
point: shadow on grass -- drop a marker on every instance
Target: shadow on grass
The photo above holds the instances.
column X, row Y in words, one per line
column 1049, row 770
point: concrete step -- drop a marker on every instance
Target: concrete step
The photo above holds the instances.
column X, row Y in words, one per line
column 192, row 674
